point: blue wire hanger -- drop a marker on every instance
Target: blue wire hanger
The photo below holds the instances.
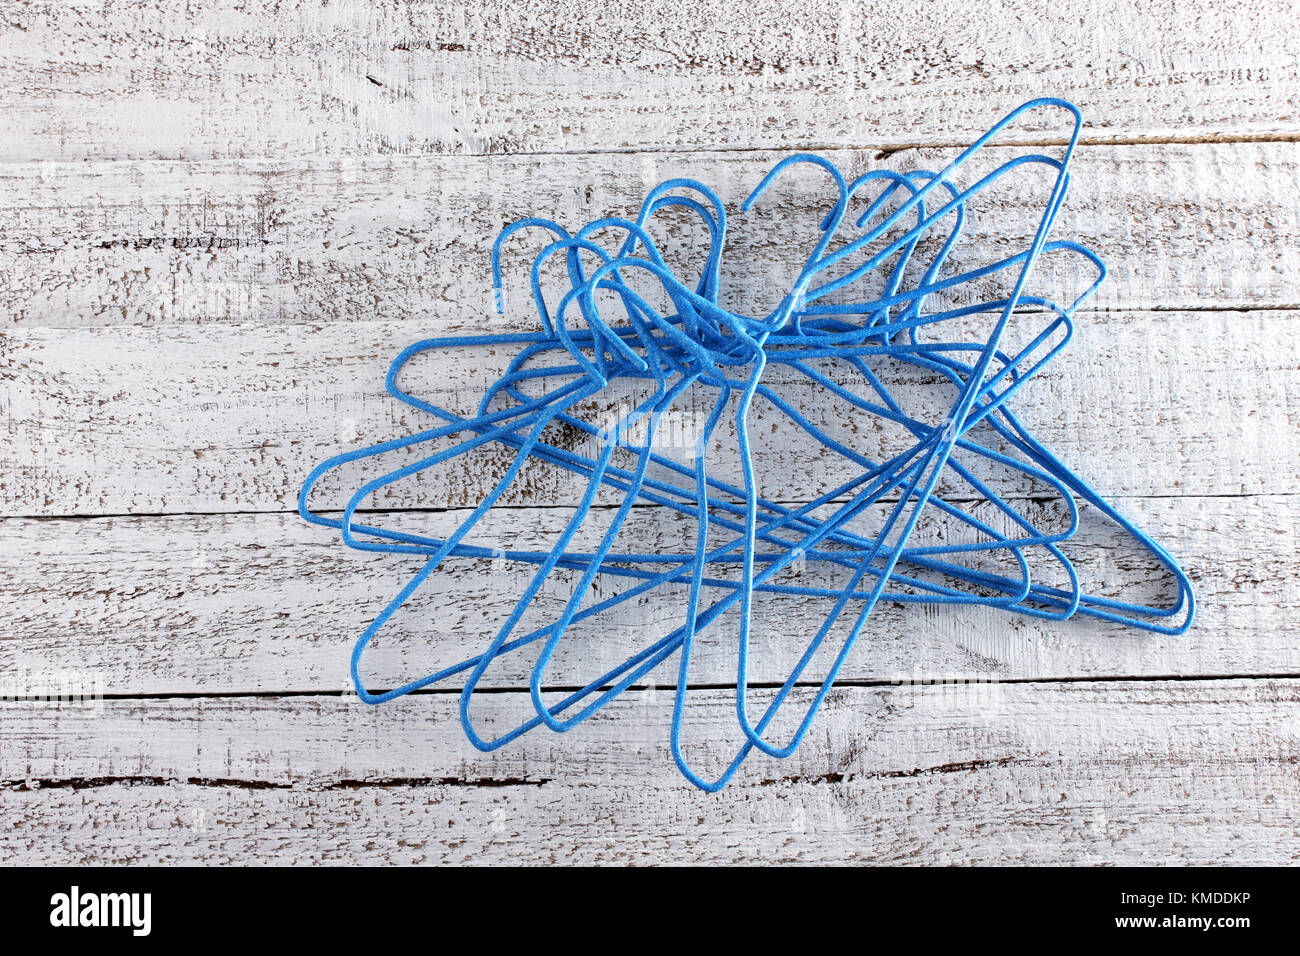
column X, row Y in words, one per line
column 877, row 291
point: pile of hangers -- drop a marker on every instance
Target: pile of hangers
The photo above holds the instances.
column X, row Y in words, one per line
column 606, row 328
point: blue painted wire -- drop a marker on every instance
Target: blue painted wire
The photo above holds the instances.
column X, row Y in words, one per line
column 701, row 347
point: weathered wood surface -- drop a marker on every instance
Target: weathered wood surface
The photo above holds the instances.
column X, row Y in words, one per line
column 165, row 79
column 218, row 223
column 262, row 603
column 314, row 241
column 1124, row 772
column 184, row 419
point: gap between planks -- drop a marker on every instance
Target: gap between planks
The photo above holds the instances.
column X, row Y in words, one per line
column 693, row 686
column 879, row 151
column 596, row 506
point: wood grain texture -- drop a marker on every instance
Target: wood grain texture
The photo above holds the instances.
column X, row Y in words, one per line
column 262, row 603
column 218, row 222
column 165, row 79
column 232, row 418
column 1152, row 773
column 314, row 241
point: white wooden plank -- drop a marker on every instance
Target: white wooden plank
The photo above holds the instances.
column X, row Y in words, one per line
column 169, row 79
column 408, row 239
column 263, row 603
column 205, row 308
column 232, row 418
column 1145, row 772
